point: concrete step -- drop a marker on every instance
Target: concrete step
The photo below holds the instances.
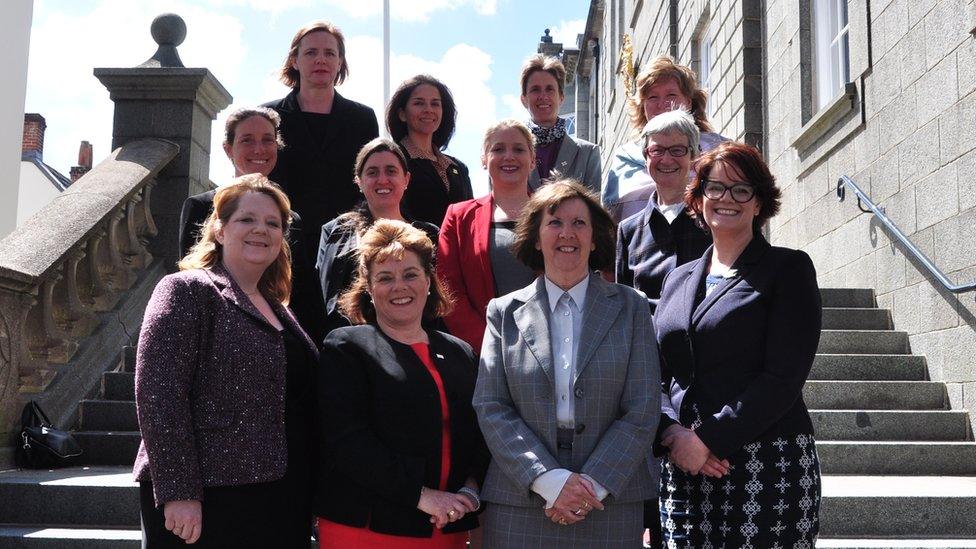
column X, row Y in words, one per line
column 82, row 496
column 107, row 415
column 902, row 425
column 847, row 297
column 108, row 447
column 45, row 537
column 838, row 543
column 875, row 395
column 863, row 342
column 119, row 386
column 869, row 368
column 898, row 506
column 917, row 458
column 850, row 318
column 127, row 361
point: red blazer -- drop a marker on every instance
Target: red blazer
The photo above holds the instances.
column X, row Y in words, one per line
column 463, row 264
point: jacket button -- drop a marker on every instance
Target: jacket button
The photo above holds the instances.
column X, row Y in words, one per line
column 579, row 428
column 579, row 392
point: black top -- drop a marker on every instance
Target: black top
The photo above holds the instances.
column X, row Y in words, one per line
column 381, row 429
column 315, row 168
column 648, row 248
column 741, row 354
column 426, row 199
column 335, row 264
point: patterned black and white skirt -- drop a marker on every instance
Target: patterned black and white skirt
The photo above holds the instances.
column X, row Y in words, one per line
column 770, row 499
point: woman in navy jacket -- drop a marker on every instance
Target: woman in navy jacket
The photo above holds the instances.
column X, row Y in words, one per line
column 738, row 330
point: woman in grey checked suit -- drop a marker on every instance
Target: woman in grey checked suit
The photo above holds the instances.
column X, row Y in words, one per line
column 569, row 418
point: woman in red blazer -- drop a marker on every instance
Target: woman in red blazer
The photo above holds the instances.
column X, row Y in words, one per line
column 474, row 257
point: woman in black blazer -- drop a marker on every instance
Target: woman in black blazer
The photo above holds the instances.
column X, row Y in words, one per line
column 382, row 176
column 421, row 117
column 402, row 456
column 322, row 131
column 738, row 330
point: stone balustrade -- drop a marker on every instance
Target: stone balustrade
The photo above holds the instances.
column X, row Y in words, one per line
column 70, row 262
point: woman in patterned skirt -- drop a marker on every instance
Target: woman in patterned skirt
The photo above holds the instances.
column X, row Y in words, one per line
column 738, row 330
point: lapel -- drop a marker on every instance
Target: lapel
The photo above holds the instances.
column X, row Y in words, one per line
column 481, row 231
column 565, row 159
column 601, row 311
column 690, row 288
column 340, row 106
column 747, row 260
column 532, row 321
column 233, row 293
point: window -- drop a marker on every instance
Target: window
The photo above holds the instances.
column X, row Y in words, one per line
column 703, row 59
column 832, row 61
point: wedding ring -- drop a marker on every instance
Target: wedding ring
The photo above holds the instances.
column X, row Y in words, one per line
column 578, row 511
column 562, row 521
column 585, row 505
column 450, row 513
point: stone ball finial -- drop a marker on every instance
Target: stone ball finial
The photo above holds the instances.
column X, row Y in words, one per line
column 546, row 39
column 168, row 29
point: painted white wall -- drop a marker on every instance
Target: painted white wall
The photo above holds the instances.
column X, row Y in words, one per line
column 35, row 190
column 16, row 24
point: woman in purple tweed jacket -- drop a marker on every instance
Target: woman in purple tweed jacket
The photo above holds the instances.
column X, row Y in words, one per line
column 222, row 386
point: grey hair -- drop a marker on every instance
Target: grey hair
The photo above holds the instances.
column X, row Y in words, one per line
column 677, row 121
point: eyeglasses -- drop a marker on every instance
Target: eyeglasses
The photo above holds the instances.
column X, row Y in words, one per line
column 676, row 151
column 740, row 192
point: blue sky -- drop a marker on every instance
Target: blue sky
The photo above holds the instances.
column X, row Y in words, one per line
column 475, row 46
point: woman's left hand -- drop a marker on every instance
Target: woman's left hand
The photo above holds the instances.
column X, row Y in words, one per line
column 687, row 451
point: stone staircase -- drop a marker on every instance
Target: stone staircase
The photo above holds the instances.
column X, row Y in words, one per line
column 899, row 466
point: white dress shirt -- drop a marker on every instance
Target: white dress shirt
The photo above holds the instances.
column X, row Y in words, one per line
column 671, row 212
column 565, row 328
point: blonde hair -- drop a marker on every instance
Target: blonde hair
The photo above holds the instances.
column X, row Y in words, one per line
column 662, row 68
column 509, row 123
column 289, row 74
column 385, row 239
column 207, row 252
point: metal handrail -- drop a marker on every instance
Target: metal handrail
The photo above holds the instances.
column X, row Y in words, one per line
column 872, row 208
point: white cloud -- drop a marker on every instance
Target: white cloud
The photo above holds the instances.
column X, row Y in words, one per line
column 64, row 48
column 565, row 32
column 515, row 108
column 411, row 10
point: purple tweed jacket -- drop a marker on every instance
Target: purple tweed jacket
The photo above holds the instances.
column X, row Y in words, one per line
column 210, row 387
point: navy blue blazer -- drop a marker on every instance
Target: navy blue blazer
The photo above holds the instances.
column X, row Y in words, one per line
column 742, row 354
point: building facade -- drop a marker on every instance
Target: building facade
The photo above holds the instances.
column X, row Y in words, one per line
column 883, row 91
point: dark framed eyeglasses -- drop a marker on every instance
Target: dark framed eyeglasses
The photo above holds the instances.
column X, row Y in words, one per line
column 677, row 151
column 740, row 192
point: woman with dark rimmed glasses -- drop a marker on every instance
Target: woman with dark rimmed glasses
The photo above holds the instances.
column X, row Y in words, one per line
column 738, row 330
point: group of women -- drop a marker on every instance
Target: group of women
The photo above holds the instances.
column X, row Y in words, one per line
column 451, row 356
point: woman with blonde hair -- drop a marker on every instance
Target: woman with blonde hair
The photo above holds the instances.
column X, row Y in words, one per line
column 474, row 253
column 222, row 386
column 664, row 86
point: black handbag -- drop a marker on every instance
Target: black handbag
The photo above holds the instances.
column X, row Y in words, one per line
column 41, row 445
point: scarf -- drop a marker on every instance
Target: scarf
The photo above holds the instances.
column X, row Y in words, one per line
column 545, row 136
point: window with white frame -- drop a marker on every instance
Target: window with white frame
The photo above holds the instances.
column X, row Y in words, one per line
column 832, row 65
column 704, row 52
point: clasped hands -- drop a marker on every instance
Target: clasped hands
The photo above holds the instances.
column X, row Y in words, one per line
column 184, row 518
column 575, row 501
column 444, row 507
column 690, row 454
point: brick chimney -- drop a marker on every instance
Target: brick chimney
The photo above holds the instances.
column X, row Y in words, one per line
column 84, row 161
column 33, row 145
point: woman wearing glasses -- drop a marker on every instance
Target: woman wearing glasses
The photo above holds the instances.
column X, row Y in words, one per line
column 737, row 330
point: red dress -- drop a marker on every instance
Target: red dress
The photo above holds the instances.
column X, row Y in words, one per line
column 333, row 535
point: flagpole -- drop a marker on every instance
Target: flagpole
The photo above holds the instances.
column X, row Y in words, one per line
column 386, row 53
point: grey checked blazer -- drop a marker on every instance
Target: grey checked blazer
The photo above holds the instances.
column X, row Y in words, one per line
column 577, row 158
column 617, row 388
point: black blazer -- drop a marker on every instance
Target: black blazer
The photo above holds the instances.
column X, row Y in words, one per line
column 381, row 429
column 315, row 168
column 335, row 264
column 742, row 354
column 426, row 199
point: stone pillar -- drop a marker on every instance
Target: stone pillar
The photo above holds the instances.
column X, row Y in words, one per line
column 17, row 16
column 162, row 98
